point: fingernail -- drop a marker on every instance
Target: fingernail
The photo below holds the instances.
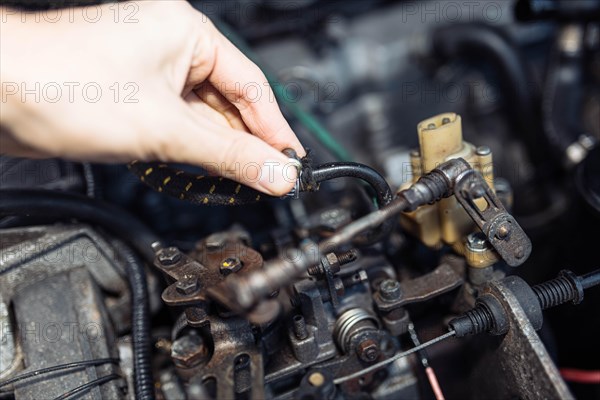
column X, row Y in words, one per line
column 277, row 177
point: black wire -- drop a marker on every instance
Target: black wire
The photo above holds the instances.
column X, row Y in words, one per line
column 62, row 205
column 335, row 170
column 73, row 365
column 87, row 386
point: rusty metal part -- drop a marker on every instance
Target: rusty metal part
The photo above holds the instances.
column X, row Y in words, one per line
column 518, row 360
column 189, row 351
column 501, row 229
column 368, row 350
column 441, row 280
column 204, row 267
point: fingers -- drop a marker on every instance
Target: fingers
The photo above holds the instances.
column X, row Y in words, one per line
column 206, row 96
column 225, row 151
column 243, row 84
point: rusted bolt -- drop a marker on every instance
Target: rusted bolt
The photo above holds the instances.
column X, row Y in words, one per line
column 187, row 285
column 230, row 265
column 368, row 350
column 503, row 231
column 316, row 379
column 189, row 351
column 300, row 327
column 169, row 256
column 389, row 289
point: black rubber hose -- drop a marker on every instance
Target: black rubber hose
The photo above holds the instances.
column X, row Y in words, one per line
column 62, row 205
column 335, row 170
column 140, row 324
column 377, row 182
column 477, row 42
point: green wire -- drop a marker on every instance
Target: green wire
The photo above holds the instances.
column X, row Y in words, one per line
column 306, row 119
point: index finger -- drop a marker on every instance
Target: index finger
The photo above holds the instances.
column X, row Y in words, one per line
column 242, row 82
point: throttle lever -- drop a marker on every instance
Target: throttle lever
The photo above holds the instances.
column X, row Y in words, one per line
column 501, row 229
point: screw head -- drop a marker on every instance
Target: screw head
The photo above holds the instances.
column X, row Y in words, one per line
column 187, row 285
column 503, row 231
column 169, row 256
column 390, row 289
column 483, row 151
column 368, row 350
column 188, row 351
column 476, row 241
column 230, row 265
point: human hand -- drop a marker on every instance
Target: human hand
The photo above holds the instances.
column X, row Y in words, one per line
column 168, row 87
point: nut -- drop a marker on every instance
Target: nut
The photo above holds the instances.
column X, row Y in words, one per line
column 187, row 285
column 169, row 256
column 189, row 351
column 368, row 350
column 389, row 289
column 230, row 265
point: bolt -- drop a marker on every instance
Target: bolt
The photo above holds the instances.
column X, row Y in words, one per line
column 477, row 191
column 476, row 241
column 187, row 285
column 431, row 126
column 300, row 327
column 503, row 231
column 188, row 351
column 333, row 261
column 347, row 257
column 368, row 350
column 483, row 151
column 169, row 256
column 316, row 379
column 445, row 121
column 520, row 252
column 389, row 289
column 230, row 265
column 216, row 241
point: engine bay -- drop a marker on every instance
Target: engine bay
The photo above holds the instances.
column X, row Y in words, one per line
column 439, row 242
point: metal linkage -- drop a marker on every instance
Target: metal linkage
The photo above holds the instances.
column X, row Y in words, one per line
column 241, row 293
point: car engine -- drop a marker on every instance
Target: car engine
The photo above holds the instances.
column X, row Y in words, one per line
column 439, row 242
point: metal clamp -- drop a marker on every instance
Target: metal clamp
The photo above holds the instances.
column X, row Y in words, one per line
column 501, row 229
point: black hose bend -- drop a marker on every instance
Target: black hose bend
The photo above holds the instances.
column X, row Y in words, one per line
column 60, row 205
column 326, row 172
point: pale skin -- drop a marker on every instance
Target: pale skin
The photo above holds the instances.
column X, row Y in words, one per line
column 173, row 89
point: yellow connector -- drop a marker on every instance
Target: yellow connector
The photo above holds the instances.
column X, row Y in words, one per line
column 446, row 222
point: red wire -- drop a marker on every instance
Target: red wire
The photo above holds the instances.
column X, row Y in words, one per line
column 437, row 390
column 580, row 376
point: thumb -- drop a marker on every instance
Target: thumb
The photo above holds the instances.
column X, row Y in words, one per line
column 230, row 153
